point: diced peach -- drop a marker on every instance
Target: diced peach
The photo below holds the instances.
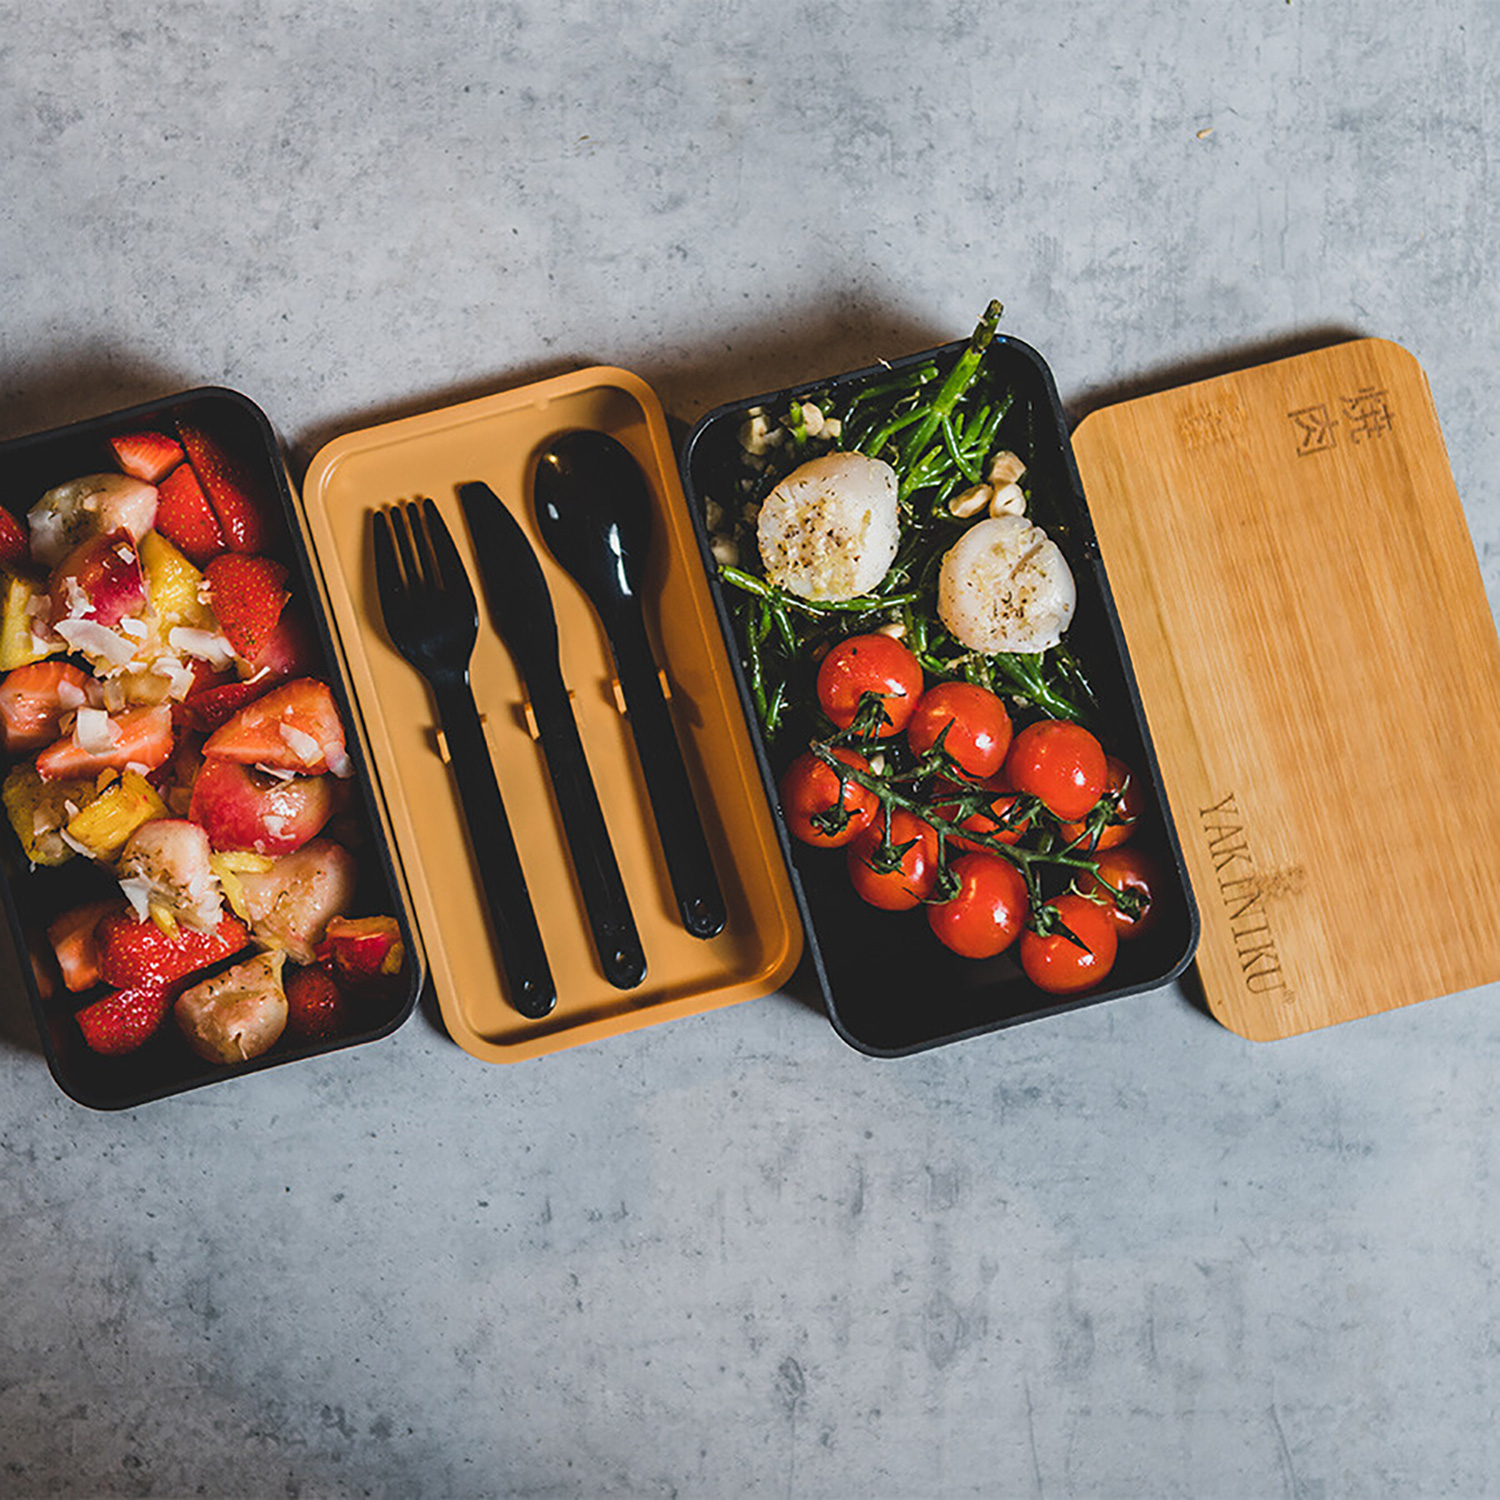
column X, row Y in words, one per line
column 72, row 939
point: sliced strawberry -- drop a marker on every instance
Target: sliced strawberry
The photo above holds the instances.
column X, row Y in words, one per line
column 247, row 596
column 186, row 519
column 217, row 705
column 126, row 1019
column 243, row 512
column 317, row 1008
column 133, row 952
column 34, row 698
column 147, row 455
column 139, row 737
column 73, row 940
column 295, row 727
column 291, row 649
column 14, row 543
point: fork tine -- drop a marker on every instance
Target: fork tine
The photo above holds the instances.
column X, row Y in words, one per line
column 387, row 574
column 449, row 565
column 401, row 530
column 432, row 576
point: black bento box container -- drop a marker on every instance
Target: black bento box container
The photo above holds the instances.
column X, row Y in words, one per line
column 33, row 897
column 890, row 987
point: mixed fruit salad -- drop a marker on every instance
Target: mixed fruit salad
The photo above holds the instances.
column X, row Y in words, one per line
column 164, row 719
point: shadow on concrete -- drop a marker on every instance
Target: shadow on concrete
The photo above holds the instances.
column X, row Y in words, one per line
column 1206, row 367
column 87, row 381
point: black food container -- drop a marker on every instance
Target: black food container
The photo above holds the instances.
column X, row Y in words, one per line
column 890, row 987
column 34, row 896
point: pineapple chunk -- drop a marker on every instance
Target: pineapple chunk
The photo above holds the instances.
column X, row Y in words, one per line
column 172, row 583
column 105, row 825
column 38, row 810
column 229, row 866
column 18, row 646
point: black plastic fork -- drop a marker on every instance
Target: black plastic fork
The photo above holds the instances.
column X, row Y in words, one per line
column 432, row 620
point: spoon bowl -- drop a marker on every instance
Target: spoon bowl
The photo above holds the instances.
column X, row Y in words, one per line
column 593, row 511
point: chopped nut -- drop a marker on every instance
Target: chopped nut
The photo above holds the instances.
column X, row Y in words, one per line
column 750, row 515
column 970, row 501
column 832, row 427
column 1005, row 468
column 1009, row 500
column 755, row 435
column 713, row 514
column 896, row 629
column 812, row 419
column 725, row 550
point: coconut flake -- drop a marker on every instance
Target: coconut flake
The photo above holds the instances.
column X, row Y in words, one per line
column 112, row 694
column 70, row 695
column 132, row 627
column 301, row 744
column 338, row 761
column 74, row 844
column 137, row 891
column 178, row 676
column 139, row 767
column 93, row 639
column 95, row 732
column 279, row 772
column 206, row 645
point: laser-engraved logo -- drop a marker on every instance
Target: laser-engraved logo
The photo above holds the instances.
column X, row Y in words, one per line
column 1316, row 427
column 1243, row 893
column 1368, row 414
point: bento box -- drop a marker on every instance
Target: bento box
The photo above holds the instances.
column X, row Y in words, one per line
column 1185, row 486
column 889, row 986
column 36, row 895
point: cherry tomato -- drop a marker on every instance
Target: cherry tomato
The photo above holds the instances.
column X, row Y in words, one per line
column 870, row 664
column 810, row 787
column 985, row 822
column 986, row 915
column 1127, row 870
column 1127, row 813
column 1057, row 964
column 1059, row 762
column 977, row 725
column 913, row 880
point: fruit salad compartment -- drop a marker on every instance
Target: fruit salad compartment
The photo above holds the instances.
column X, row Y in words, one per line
column 193, row 853
column 890, row 987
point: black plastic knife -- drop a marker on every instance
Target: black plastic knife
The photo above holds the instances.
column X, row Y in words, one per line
column 521, row 609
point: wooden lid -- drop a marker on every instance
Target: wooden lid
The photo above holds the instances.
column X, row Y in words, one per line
column 1321, row 674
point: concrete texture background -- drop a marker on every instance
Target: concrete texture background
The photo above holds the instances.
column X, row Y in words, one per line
column 1122, row 1253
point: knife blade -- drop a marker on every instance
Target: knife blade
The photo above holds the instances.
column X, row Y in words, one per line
column 521, row 610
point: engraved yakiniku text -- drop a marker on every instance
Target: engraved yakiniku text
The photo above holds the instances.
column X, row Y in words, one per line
column 1243, row 894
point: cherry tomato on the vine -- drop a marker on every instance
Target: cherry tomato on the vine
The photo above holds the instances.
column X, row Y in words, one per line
column 977, row 725
column 1056, row 963
column 876, row 664
column 1118, row 779
column 987, row 914
column 986, row 820
column 913, row 880
column 1127, row 870
column 1059, row 762
column 810, row 787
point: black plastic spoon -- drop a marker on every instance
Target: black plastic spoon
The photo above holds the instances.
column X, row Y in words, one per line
column 593, row 510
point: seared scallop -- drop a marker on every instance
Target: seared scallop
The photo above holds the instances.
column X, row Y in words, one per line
column 829, row 529
column 1005, row 586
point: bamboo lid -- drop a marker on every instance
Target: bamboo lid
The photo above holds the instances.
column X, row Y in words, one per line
column 1320, row 669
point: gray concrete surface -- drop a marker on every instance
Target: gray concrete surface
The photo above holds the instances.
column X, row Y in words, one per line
column 1122, row 1253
